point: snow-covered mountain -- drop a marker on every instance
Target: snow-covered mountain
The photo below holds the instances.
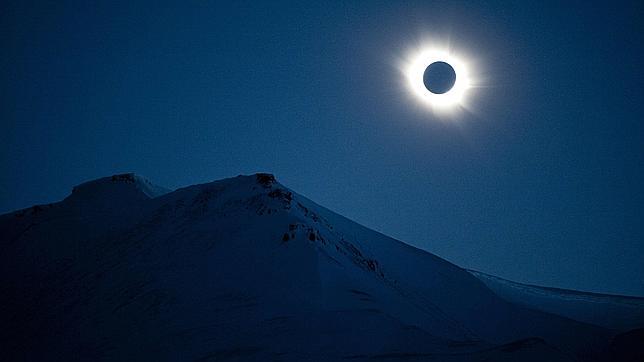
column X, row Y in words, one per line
column 616, row 312
column 246, row 269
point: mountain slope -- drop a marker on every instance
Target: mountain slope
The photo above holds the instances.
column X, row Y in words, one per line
column 610, row 311
column 246, row 269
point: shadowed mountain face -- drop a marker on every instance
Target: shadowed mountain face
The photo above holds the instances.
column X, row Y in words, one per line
column 246, row 269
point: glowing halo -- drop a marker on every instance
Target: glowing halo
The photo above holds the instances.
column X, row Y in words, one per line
column 415, row 68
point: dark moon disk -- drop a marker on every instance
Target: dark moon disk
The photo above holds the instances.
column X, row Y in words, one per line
column 439, row 77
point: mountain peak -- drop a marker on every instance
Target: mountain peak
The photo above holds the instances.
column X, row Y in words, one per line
column 119, row 182
column 118, row 191
column 265, row 179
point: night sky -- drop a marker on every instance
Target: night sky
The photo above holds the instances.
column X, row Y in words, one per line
column 540, row 181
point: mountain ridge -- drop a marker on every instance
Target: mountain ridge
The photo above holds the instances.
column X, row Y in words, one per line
column 252, row 255
column 617, row 312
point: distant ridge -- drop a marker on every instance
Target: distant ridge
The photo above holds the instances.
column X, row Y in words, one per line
column 617, row 312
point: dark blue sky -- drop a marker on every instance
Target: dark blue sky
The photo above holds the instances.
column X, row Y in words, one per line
column 541, row 183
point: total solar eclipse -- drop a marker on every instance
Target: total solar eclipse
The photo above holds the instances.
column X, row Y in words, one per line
column 439, row 77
